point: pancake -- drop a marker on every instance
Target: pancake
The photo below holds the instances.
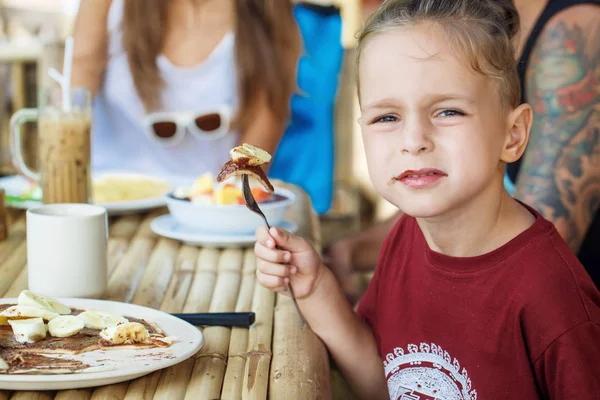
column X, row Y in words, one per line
column 86, row 340
column 25, row 363
column 51, row 355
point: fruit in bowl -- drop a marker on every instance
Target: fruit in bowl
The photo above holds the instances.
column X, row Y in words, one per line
column 206, row 191
column 220, row 208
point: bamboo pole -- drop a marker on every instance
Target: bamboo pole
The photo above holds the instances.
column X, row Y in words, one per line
column 173, row 381
column 157, row 275
column 16, row 237
column 201, row 290
column 238, row 344
column 144, row 228
column 18, row 285
column 18, row 80
column 125, row 227
column 166, row 264
column 143, row 388
column 179, row 287
column 209, row 368
column 13, row 215
column 76, row 394
column 126, row 276
column 32, row 396
column 124, row 280
column 111, row 392
column 234, row 376
column 174, row 384
column 300, row 367
column 12, row 267
column 206, row 379
column 256, row 372
column 117, row 248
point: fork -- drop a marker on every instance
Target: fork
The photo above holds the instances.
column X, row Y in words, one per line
column 253, row 206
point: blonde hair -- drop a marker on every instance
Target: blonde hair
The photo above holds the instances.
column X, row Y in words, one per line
column 481, row 30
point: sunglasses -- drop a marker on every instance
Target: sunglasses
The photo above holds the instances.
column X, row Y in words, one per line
column 169, row 128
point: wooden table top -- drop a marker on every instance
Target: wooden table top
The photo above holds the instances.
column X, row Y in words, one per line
column 274, row 358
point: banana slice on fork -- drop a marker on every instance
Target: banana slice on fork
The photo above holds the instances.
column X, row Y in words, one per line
column 255, row 155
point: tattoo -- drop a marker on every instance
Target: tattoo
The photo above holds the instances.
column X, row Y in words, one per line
column 560, row 174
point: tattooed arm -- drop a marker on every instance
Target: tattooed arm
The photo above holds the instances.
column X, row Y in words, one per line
column 560, row 175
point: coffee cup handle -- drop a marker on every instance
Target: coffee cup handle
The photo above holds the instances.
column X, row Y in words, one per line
column 16, row 143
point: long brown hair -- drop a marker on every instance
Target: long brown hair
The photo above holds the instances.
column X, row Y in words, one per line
column 267, row 48
column 483, row 31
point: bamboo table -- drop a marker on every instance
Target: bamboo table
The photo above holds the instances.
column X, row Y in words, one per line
column 274, row 358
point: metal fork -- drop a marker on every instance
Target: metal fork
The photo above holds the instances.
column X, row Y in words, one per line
column 253, row 206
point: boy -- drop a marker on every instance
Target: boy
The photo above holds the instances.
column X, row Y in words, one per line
column 475, row 294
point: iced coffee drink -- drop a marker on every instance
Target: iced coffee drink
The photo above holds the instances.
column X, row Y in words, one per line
column 64, row 154
column 64, row 129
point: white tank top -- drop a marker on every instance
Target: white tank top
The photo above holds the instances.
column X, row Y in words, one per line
column 119, row 141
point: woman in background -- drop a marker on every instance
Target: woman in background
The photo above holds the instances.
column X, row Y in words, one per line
column 178, row 83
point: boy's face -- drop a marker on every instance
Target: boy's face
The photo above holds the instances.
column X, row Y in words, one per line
column 433, row 129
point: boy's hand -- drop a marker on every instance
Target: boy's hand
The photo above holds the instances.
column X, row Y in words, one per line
column 285, row 258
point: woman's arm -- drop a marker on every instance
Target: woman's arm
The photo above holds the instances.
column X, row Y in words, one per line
column 560, row 174
column 268, row 53
column 265, row 129
column 90, row 44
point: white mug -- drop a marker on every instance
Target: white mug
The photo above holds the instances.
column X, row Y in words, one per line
column 67, row 250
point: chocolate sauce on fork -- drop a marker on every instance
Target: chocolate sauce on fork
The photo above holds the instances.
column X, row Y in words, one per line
column 241, row 166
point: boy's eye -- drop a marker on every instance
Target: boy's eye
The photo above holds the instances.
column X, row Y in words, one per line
column 386, row 118
column 450, row 113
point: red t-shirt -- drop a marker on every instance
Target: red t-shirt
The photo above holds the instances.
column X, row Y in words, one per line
column 521, row 322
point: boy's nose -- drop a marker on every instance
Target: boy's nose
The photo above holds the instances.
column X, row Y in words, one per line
column 415, row 140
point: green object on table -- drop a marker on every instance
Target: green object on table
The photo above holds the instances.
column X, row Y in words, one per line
column 33, row 195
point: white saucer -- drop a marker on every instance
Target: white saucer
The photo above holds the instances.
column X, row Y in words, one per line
column 167, row 226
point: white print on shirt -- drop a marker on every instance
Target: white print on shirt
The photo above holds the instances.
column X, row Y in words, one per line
column 426, row 372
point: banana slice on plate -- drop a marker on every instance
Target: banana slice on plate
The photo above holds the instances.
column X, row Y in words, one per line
column 65, row 326
column 126, row 333
column 95, row 319
column 28, row 330
column 3, row 364
column 28, row 298
column 255, row 155
column 23, row 312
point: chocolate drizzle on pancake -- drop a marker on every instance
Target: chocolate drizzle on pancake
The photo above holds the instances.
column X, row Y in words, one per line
column 241, row 167
column 86, row 340
column 36, row 358
column 26, row 363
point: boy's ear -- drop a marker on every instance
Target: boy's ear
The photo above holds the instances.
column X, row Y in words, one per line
column 519, row 124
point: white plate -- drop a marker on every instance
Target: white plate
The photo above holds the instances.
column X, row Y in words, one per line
column 115, row 365
column 167, row 226
column 15, row 185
